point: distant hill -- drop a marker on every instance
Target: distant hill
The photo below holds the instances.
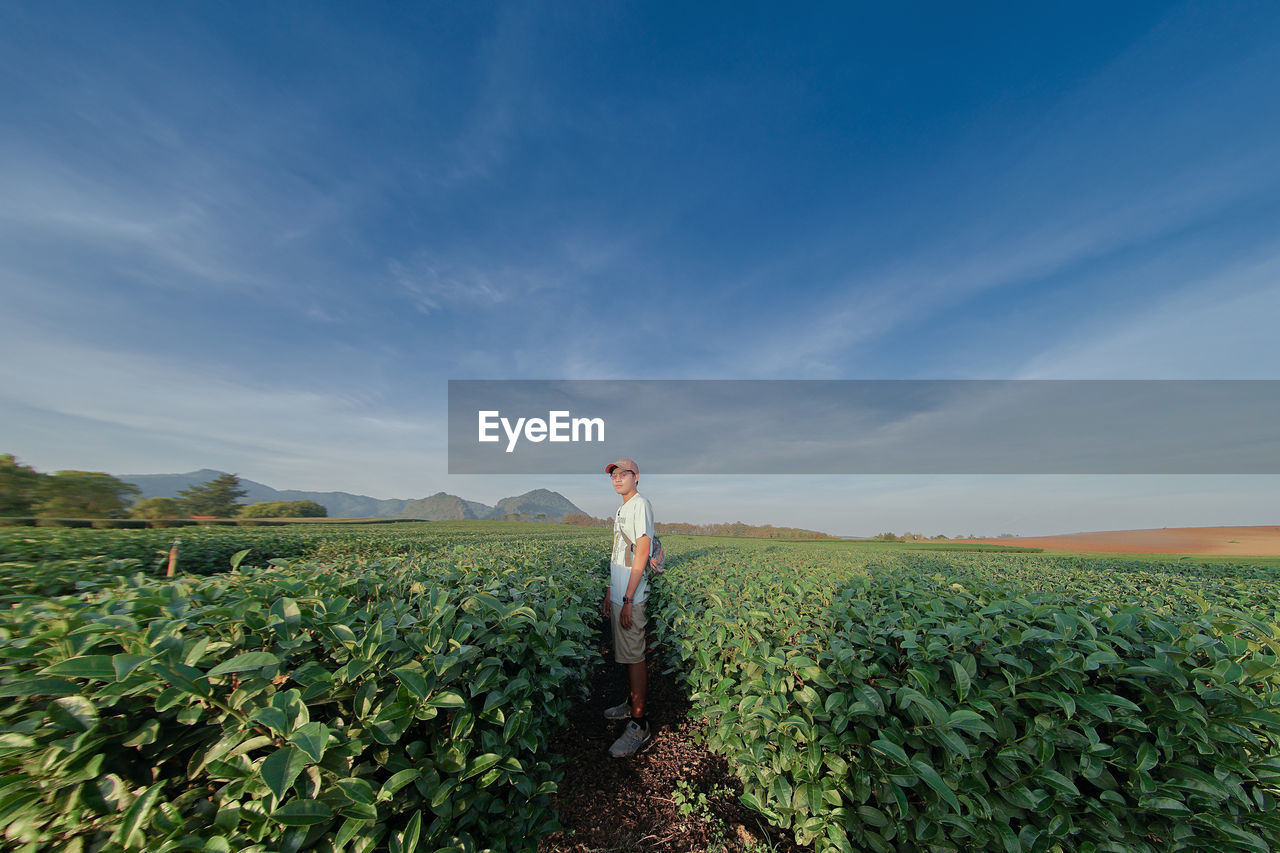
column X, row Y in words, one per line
column 438, row 507
column 532, row 504
column 443, row 507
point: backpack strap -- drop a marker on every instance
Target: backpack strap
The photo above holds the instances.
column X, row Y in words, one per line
column 631, row 546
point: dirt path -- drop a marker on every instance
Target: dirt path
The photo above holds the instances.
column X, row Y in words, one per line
column 673, row 796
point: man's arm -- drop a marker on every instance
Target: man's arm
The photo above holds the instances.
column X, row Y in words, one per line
column 638, row 564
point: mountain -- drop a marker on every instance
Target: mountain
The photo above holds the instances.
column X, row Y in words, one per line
column 532, row 504
column 438, row 507
column 339, row 504
column 443, row 507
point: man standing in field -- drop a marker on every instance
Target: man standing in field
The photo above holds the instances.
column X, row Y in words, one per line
column 624, row 601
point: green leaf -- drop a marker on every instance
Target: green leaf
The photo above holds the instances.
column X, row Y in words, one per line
column 1100, row 657
column 39, row 687
column 1147, row 756
column 245, row 661
column 447, row 699
column 1189, row 778
column 407, row 842
column 481, row 764
column 873, row 816
column 893, row 750
column 358, row 790
column 1057, row 781
column 961, row 676
column 145, row 734
column 751, row 801
column 871, row 696
column 442, row 793
column 74, row 712
column 186, row 678
column 86, row 666
column 238, row 557
column 970, row 721
column 129, row 834
column 312, row 740
column 281, row 767
column 936, row 782
column 1094, row 706
column 272, row 718
column 398, row 781
column 954, row 743
column 351, row 827
column 342, row 634
column 298, row 812
column 359, row 811
column 1164, row 805
column 1243, row 838
column 123, row 664
column 413, row 680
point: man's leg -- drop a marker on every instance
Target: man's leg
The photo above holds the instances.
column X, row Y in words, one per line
column 638, row 675
column 636, row 734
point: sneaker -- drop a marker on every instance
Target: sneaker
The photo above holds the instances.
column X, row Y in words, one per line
column 632, row 741
column 619, row 712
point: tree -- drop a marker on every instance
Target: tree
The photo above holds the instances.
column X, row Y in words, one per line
column 19, row 486
column 218, row 497
column 84, row 494
column 284, row 509
column 156, row 508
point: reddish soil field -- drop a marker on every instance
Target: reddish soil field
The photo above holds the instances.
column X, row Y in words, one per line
column 1262, row 541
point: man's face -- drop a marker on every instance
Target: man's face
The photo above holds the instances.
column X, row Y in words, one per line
column 624, row 481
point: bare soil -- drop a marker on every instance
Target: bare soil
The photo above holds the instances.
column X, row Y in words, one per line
column 1259, row 541
column 675, row 795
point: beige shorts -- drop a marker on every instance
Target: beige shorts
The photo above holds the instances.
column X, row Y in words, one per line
column 628, row 643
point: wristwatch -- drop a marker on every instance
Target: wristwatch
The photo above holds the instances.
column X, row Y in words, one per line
column 626, row 599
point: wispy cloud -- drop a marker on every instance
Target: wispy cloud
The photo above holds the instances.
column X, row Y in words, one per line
column 120, row 224
column 1217, row 326
column 431, row 289
column 507, row 99
column 215, row 419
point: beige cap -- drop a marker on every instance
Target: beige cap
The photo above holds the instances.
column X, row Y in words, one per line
column 624, row 464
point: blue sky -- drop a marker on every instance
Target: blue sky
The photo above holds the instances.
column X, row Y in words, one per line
column 262, row 238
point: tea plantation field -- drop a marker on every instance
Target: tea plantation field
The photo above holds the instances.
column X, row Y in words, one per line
column 396, row 689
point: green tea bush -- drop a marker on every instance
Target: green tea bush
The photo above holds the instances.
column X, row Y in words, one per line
column 404, row 705
column 201, row 550
column 888, row 707
column 22, row 581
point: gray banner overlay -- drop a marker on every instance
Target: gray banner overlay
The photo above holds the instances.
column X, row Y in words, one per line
column 866, row 426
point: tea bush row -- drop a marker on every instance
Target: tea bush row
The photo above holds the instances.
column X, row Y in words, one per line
column 914, row 703
column 395, row 706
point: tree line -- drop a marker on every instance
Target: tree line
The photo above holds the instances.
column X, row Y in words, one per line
column 26, row 492
column 736, row 528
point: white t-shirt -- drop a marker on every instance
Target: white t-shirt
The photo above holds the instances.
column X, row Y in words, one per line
column 635, row 518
